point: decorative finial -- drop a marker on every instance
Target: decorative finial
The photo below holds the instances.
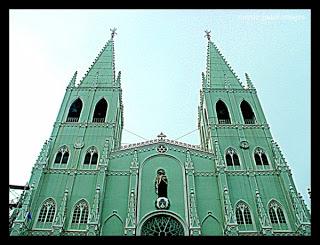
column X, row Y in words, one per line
column 207, row 34
column 161, row 136
column 113, row 32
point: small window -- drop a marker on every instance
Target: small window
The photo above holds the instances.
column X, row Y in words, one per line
column 247, row 113
column 260, row 157
column 91, row 157
column 100, row 111
column 65, row 158
column 232, row 158
column 47, row 211
column 257, row 158
column 222, row 113
column 80, row 215
column 236, row 160
column 229, row 160
column 277, row 217
column 75, row 111
column 264, row 159
column 58, row 157
column 243, row 216
column 62, row 156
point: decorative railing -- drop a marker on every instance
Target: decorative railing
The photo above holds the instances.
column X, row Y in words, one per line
column 249, row 121
column 72, row 119
column 174, row 142
column 224, row 121
column 98, row 120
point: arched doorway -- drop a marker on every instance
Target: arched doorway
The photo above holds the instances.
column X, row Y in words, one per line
column 162, row 225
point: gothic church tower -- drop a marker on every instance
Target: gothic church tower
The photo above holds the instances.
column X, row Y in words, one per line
column 253, row 176
column 88, row 126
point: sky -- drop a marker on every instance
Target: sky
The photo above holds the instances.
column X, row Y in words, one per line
column 161, row 54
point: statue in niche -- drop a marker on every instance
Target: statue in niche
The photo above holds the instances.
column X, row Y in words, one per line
column 161, row 188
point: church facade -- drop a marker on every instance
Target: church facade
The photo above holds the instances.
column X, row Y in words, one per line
column 236, row 182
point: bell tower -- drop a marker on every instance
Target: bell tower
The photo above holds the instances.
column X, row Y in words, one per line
column 88, row 127
column 249, row 162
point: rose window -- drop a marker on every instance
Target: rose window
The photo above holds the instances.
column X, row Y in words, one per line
column 162, row 225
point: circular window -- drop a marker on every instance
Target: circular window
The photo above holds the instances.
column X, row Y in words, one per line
column 161, row 149
column 162, row 225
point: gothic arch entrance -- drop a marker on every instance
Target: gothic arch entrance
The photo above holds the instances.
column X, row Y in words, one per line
column 162, row 225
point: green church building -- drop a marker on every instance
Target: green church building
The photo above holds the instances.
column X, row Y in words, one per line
column 236, row 182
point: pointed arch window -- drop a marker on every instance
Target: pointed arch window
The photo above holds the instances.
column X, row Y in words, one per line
column 100, row 111
column 91, row 157
column 75, row 111
column 62, row 156
column 80, row 215
column 247, row 113
column 222, row 113
column 243, row 216
column 260, row 157
column 47, row 211
column 232, row 158
column 277, row 217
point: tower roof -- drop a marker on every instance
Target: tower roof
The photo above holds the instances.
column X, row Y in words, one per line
column 102, row 70
column 219, row 74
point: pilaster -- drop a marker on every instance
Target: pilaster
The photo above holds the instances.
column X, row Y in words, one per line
column 194, row 222
column 130, row 225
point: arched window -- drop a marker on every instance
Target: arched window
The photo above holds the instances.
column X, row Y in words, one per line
column 247, row 113
column 62, row 156
column 74, row 111
column 232, row 158
column 47, row 211
column 80, row 215
column 100, row 111
column 276, row 214
column 222, row 113
column 91, row 157
column 243, row 216
column 260, row 157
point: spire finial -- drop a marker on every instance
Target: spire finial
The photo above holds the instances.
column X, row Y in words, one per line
column 161, row 136
column 113, row 32
column 207, row 34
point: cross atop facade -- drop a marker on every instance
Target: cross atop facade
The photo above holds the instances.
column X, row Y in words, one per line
column 113, row 32
column 207, row 34
column 161, row 136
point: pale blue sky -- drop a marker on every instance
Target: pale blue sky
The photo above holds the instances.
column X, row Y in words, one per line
column 161, row 54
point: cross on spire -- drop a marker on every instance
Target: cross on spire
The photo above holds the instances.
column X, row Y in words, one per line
column 113, row 32
column 207, row 34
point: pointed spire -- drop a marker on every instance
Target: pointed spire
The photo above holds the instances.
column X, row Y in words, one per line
column 299, row 211
column 72, row 83
column 188, row 163
column 104, row 65
column 118, row 80
column 131, row 219
column 230, row 216
column 218, row 69
column 135, row 162
column 94, row 214
column 61, row 215
column 263, row 217
column 249, row 83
